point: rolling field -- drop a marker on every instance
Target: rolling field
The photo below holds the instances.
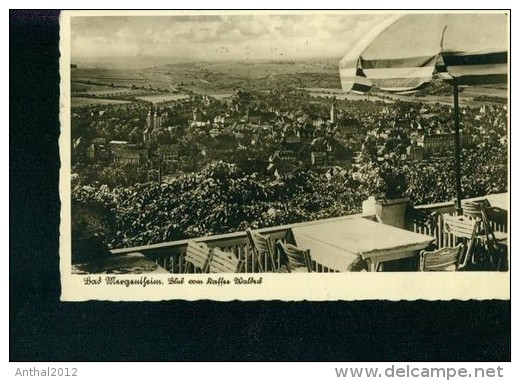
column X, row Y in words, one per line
column 221, row 95
column 158, row 98
column 82, row 88
column 215, row 77
column 82, row 101
column 127, row 78
column 475, row 91
column 466, row 96
column 220, row 78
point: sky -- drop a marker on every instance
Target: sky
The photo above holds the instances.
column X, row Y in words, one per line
column 208, row 37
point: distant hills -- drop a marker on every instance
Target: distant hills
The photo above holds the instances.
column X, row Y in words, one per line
column 124, row 62
column 210, row 76
column 214, row 77
column 145, row 61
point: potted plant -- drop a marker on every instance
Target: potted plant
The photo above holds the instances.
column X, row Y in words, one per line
column 392, row 201
column 385, row 180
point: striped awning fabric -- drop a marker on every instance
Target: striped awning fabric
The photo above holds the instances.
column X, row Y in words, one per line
column 357, row 83
column 475, row 68
column 408, row 52
column 412, row 74
column 399, row 74
column 351, row 73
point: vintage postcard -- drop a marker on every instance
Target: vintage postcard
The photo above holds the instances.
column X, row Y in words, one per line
column 284, row 155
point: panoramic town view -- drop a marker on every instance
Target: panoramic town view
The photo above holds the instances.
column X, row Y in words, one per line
column 209, row 144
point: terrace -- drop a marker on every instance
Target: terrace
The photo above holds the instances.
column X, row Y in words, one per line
column 335, row 244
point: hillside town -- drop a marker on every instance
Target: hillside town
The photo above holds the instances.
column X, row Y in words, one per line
column 303, row 157
column 254, row 133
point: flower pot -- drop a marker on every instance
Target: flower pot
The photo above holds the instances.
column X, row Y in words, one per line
column 392, row 212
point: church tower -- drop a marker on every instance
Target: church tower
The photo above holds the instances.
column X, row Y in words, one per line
column 158, row 119
column 333, row 113
column 149, row 119
column 197, row 115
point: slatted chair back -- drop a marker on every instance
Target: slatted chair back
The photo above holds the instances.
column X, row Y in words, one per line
column 262, row 246
column 440, row 260
column 258, row 241
column 294, row 258
column 223, row 262
column 197, row 257
column 462, row 227
column 472, row 209
column 496, row 241
column 495, row 215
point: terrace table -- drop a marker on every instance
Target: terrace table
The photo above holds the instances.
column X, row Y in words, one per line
column 340, row 244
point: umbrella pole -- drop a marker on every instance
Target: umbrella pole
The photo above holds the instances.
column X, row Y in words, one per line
column 458, row 187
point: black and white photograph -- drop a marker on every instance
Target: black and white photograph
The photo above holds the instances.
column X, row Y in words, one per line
column 288, row 155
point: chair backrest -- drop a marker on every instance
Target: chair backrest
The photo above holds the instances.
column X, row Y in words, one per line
column 259, row 242
column 439, row 260
column 295, row 257
column 460, row 226
column 472, row 209
column 197, row 254
column 264, row 250
column 493, row 214
column 495, row 226
column 223, row 262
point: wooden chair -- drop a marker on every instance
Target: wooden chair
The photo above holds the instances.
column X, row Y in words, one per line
column 223, row 262
column 295, row 259
column 473, row 209
column 262, row 246
column 462, row 227
column 440, row 260
column 496, row 242
column 197, row 257
column 492, row 215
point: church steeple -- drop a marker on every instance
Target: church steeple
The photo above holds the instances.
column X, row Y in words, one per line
column 333, row 112
column 149, row 119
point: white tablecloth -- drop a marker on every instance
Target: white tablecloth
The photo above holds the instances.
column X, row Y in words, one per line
column 338, row 244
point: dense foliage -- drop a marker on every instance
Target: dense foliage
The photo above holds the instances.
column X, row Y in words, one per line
column 484, row 171
column 219, row 183
column 218, row 199
column 222, row 198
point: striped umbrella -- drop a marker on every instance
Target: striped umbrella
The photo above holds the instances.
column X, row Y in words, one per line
column 405, row 52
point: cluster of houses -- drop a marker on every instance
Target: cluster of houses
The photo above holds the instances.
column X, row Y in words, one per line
column 429, row 130
column 292, row 139
column 125, row 152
